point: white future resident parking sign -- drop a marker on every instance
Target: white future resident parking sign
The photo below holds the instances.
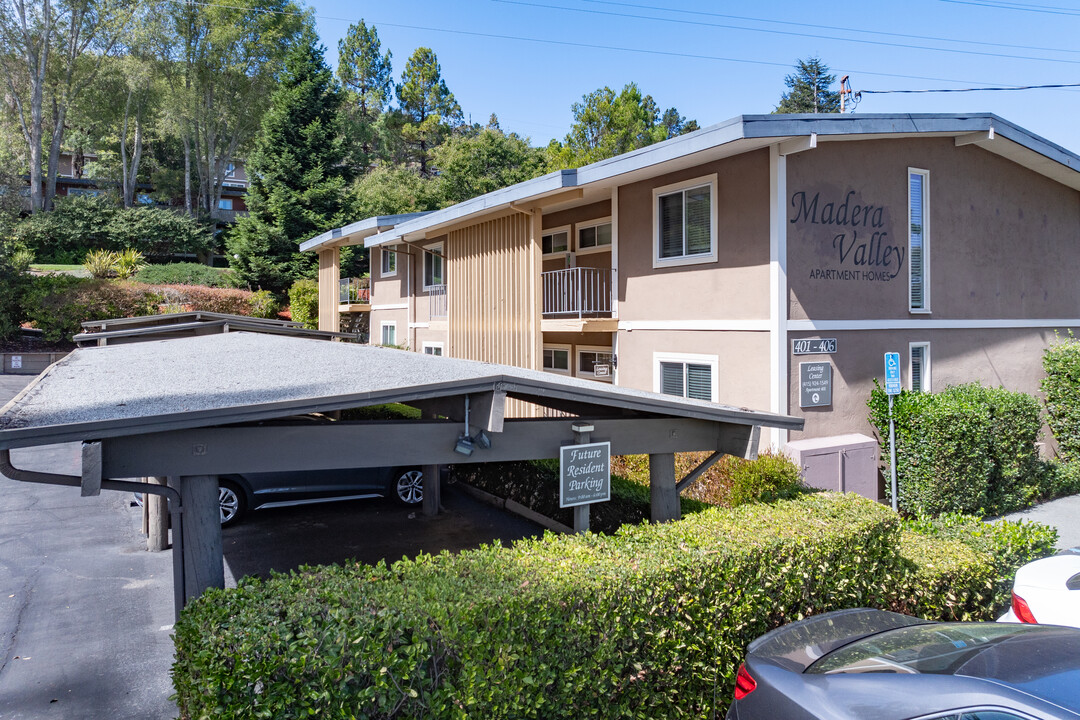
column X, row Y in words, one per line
column 584, row 474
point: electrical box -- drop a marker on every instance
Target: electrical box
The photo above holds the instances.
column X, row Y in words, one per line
column 847, row 463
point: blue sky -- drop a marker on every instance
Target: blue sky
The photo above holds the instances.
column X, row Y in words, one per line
column 715, row 60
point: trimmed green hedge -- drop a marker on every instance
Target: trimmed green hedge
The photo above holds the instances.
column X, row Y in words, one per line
column 184, row 273
column 1062, row 389
column 966, row 449
column 651, row 622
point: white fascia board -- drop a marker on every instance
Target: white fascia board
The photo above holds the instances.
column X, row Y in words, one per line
column 521, row 192
column 361, row 228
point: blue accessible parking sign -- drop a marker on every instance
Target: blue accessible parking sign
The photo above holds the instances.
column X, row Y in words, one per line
column 892, row 373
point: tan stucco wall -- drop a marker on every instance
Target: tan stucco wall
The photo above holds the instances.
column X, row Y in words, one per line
column 742, row 361
column 1002, row 239
column 736, row 286
column 1009, row 358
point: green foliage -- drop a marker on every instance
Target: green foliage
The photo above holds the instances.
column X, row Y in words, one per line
column 100, row 263
column 59, row 304
column 967, row 449
column 606, row 125
column 304, row 302
column 264, row 304
column 366, row 77
column 158, row 232
column 428, row 108
column 1061, row 386
column 472, row 164
column 298, row 178
column 650, row 622
column 15, row 280
column 768, row 477
column 183, row 274
column 129, row 262
column 808, row 89
column 388, row 190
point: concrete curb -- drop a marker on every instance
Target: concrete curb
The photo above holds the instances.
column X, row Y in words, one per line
column 516, row 508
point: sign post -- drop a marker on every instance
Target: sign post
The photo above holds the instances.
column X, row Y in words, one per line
column 584, row 474
column 892, row 387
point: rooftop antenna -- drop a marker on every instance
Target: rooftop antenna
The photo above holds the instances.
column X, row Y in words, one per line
column 845, row 91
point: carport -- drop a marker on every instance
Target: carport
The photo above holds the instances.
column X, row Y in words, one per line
column 193, row 408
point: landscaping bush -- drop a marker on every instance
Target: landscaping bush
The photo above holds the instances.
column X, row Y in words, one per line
column 768, row 477
column 650, row 622
column 183, row 274
column 967, row 449
column 264, row 304
column 220, row 300
column 304, row 302
column 14, row 282
column 1062, row 389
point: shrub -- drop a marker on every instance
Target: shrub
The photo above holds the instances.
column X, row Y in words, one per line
column 264, row 304
column 768, row 477
column 650, row 622
column 129, row 262
column 100, row 264
column 1062, row 389
column 220, row 300
column 59, row 304
column 304, row 302
column 183, row 274
column 14, row 282
column 967, row 449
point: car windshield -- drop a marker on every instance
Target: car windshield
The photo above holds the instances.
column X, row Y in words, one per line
column 939, row 648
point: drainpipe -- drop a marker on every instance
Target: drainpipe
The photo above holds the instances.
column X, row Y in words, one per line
column 175, row 510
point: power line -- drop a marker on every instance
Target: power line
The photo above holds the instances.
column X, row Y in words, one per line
column 932, row 38
column 1044, row 9
column 960, row 90
column 790, row 33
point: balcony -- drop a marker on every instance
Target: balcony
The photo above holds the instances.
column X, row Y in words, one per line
column 354, row 294
column 437, row 306
column 578, row 299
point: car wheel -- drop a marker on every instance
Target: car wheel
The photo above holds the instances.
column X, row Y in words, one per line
column 232, row 503
column 409, row 487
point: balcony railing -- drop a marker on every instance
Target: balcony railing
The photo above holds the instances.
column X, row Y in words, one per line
column 580, row 292
column 354, row 291
column 436, row 301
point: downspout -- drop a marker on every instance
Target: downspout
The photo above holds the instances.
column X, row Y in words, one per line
column 175, row 510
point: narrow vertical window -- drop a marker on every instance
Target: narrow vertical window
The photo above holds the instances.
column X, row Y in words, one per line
column 920, row 366
column 389, row 333
column 389, row 262
column 433, row 267
column 918, row 240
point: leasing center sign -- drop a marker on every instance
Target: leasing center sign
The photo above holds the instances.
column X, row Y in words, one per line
column 856, row 237
column 585, row 474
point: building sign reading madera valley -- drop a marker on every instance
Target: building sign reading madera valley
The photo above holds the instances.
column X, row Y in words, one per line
column 862, row 248
column 584, row 474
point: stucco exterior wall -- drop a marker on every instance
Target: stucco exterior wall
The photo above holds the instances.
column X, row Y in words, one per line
column 736, row 285
column 1003, row 240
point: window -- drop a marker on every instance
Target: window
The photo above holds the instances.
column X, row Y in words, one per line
column 557, row 359
column 683, row 229
column 555, row 242
column 389, row 262
column 594, row 236
column 918, row 240
column 920, row 366
column 596, row 363
column 230, row 170
column 433, row 348
column 76, row 192
column 433, row 266
column 225, row 204
column 689, row 376
column 389, row 333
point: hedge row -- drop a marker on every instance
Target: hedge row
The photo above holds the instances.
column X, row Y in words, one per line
column 967, row 449
column 650, row 622
column 1062, row 388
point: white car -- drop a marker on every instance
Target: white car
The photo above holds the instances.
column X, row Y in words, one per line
column 1047, row 591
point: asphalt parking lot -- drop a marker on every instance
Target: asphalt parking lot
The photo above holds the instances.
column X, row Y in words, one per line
column 86, row 613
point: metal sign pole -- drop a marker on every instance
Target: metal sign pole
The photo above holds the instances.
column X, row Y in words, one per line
column 892, row 387
column 892, row 453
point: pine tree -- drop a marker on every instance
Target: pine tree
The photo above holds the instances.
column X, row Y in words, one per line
column 808, row 89
column 366, row 77
column 428, row 108
column 298, row 178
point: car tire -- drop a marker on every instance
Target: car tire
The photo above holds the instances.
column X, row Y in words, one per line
column 232, row 503
column 408, row 486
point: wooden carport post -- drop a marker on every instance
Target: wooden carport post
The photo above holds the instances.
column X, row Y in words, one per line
column 663, row 493
column 204, row 563
column 157, row 534
column 431, row 482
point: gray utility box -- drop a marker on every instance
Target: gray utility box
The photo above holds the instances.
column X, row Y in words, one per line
column 848, row 463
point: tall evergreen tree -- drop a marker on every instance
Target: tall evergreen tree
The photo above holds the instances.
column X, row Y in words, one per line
column 366, row 76
column 298, row 178
column 428, row 108
column 808, row 89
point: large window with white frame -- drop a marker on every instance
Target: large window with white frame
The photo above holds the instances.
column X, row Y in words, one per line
column 919, row 240
column 594, row 236
column 686, row 375
column 556, row 241
column 684, row 223
column 557, row 359
column 919, row 352
column 595, row 363
column 389, row 262
column 388, row 332
column 433, row 348
column 434, row 264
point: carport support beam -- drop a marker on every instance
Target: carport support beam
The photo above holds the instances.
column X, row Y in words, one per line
column 204, row 564
column 432, row 494
column 663, row 492
column 157, row 537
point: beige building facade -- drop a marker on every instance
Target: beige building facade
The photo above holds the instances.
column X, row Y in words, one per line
column 767, row 262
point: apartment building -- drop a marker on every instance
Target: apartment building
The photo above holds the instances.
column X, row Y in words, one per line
column 767, row 262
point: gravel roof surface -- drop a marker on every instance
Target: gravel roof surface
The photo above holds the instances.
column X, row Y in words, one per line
column 216, row 379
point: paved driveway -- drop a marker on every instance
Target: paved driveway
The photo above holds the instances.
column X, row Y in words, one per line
column 86, row 613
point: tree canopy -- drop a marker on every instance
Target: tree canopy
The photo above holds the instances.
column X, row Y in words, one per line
column 808, row 89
